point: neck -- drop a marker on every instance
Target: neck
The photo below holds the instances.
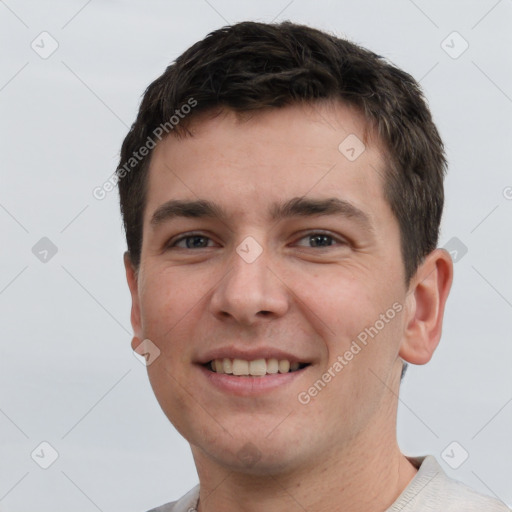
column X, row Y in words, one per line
column 368, row 475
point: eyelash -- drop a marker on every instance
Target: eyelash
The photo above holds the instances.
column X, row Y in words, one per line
column 340, row 242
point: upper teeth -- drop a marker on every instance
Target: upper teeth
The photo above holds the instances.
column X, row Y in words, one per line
column 258, row 367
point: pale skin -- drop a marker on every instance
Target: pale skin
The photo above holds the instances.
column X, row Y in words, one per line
column 310, row 300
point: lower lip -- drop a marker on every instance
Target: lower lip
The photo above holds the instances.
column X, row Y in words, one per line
column 250, row 386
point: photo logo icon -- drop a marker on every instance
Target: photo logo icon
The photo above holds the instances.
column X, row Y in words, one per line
column 146, row 352
column 456, row 248
column 44, row 250
column 44, row 455
column 249, row 250
column 352, row 147
column 45, row 45
column 455, row 455
column 249, row 454
column 454, row 45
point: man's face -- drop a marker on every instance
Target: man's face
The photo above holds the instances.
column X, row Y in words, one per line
column 270, row 279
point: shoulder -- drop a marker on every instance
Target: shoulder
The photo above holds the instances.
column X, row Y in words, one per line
column 168, row 507
column 432, row 490
column 186, row 503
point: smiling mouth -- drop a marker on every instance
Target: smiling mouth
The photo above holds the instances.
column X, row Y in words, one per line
column 255, row 368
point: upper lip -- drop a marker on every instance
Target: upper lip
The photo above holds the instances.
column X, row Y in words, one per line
column 249, row 354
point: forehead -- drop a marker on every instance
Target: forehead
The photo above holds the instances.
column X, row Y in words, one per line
column 246, row 161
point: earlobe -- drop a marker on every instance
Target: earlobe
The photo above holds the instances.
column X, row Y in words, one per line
column 425, row 305
column 135, row 343
column 132, row 279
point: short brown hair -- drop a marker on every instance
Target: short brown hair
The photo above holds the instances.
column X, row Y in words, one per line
column 253, row 66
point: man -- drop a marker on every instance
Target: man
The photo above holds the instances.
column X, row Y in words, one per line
column 281, row 191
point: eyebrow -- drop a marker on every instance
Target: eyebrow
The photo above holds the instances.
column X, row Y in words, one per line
column 295, row 207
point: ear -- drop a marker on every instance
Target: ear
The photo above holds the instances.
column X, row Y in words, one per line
column 425, row 304
column 132, row 278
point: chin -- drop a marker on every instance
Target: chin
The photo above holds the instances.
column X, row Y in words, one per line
column 250, row 453
column 251, row 460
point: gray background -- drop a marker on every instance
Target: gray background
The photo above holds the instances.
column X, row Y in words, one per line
column 67, row 373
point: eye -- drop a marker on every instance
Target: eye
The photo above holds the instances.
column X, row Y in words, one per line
column 191, row 241
column 321, row 240
column 313, row 240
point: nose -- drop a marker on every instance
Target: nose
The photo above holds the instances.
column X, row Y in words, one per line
column 250, row 291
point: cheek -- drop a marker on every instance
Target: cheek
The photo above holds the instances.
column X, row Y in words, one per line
column 167, row 312
column 167, row 298
column 342, row 304
column 347, row 309
column 173, row 393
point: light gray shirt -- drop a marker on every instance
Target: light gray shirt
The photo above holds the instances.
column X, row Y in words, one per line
column 431, row 490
